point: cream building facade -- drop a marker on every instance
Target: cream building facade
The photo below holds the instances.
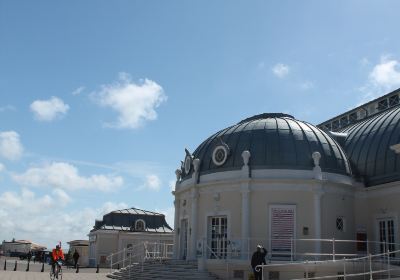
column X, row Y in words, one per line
column 293, row 187
column 126, row 229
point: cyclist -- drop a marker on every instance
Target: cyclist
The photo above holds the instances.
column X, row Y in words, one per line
column 56, row 255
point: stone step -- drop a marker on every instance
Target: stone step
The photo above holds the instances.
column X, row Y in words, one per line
column 164, row 269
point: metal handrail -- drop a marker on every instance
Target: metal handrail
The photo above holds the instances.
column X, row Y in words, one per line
column 382, row 257
column 124, row 258
column 330, row 247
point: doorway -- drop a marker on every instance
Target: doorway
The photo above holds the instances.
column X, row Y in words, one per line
column 218, row 237
column 386, row 235
column 184, row 239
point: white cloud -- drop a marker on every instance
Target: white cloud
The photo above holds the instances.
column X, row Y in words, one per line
column 383, row 78
column 172, row 184
column 152, row 183
column 306, row 85
column 62, row 197
column 2, row 167
column 386, row 74
column 281, row 70
column 10, row 145
column 16, row 202
column 66, row 176
column 78, row 91
column 169, row 215
column 46, row 219
column 49, row 110
column 7, row 108
column 364, row 61
column 109, row 207
column 134, row 103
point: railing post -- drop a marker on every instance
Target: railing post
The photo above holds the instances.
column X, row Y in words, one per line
column 291, row 249
column 111, row 263
column 388, row 262
column 123, row 257
column 344, row 268
column 333, row 249
column 248, row 249
column 370, row 267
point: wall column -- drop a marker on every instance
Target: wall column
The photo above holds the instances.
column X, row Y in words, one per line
column 176, row 227
column 317, row 222
column 193, row 224
column 245, row 221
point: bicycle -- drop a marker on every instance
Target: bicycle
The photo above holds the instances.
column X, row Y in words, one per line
column 57, row 273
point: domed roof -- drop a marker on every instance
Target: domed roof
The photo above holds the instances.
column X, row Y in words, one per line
column 368, row 147
column 275, row 141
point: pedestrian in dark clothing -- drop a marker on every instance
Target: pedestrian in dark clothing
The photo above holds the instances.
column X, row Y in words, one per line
column 29, row 256
column 258, row 258
column 75, row 256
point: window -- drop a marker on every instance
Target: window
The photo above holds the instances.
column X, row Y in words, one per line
column 328, row 127
column 361, row 242
column 394, row 100
column 139, row 225
column 340, row 224
column 220, row 154
column 382, row 105
column 129, row 249
column 344, row 121
column 188, row 164
column 353, row 117
column 335, row 125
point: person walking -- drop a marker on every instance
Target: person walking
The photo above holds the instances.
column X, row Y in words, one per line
column 258, row 258
column 75, row 256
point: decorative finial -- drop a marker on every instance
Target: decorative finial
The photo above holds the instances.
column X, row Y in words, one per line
column 196, row 165
column 246, row 156
column 316, row 157
column 178, row 174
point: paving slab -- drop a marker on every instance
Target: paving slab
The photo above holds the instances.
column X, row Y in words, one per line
column 22, row 275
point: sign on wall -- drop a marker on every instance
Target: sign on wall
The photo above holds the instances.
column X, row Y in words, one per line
column 282, row 226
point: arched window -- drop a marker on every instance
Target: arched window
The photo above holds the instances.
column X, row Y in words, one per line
column 139, row 225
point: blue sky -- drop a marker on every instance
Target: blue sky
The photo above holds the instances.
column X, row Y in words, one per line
column 100, row 98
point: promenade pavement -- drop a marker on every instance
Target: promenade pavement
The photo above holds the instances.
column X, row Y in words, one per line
column 35, row 274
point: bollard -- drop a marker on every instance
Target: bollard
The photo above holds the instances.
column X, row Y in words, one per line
column 42, row 270
column 15, row 267
column 27, row 268
column 118, row 266
column 97, row 270
column 77, row 268
column 5, row 264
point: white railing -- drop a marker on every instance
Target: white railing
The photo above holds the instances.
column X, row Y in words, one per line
column 158, row 251
column 293, row 249
column 139, row 253
column 378, row 266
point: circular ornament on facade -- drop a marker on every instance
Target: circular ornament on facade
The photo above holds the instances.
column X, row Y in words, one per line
column 187, row 165
column 220, row 155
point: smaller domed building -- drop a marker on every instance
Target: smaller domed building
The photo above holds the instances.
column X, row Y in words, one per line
column 126, row 228
column 293, row 187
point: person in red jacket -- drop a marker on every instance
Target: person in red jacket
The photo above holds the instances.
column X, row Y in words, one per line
column 56, row 254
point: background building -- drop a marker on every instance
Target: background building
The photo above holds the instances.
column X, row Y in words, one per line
column 82, row 247
column 127, row 228
column 20, row 247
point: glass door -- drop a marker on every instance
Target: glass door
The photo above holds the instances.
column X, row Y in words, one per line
column 386, row 235
column 218, row 237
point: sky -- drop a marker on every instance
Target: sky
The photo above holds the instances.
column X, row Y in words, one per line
column 99, row 99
